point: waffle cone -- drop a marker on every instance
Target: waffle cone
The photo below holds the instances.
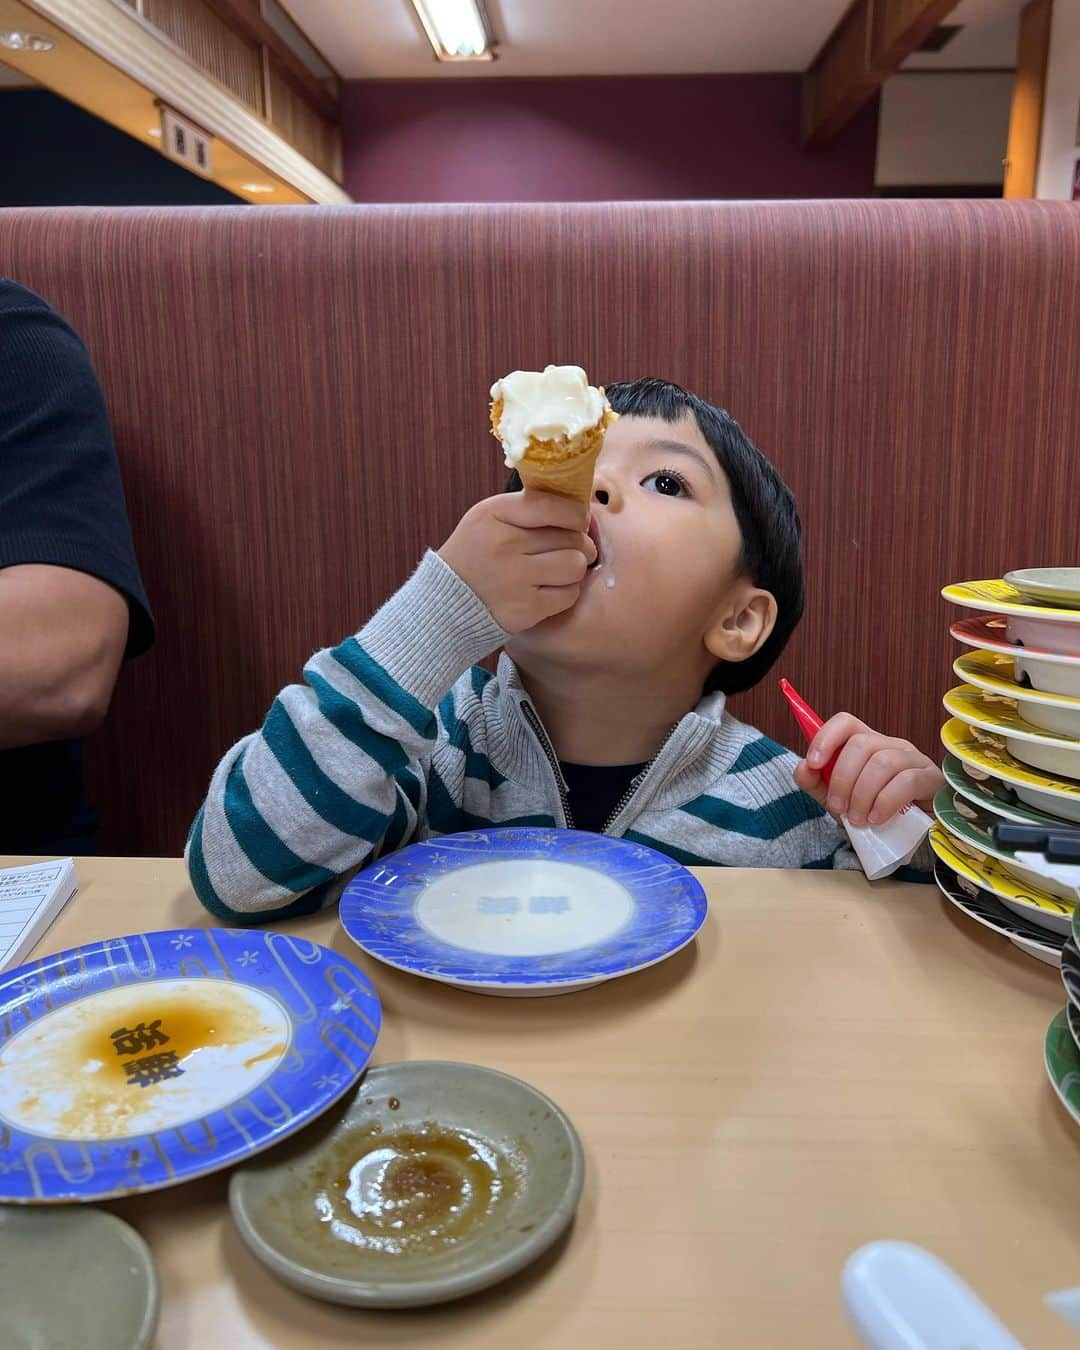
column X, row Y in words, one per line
column 565, row 466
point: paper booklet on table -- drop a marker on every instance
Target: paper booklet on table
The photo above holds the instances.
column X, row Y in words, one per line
column 30, row 898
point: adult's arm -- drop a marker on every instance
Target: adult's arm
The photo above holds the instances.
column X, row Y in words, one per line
column 64, row 634
column 71, row 599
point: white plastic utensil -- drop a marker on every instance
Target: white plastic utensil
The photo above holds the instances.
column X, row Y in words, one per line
column 901, row 1297
column 1051, row 853
column 1065, row 874
column 1067, row 1303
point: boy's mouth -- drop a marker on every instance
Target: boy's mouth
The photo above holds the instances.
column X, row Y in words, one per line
column 594, row 535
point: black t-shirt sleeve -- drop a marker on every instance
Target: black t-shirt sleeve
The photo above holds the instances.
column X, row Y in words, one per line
column 61, row 499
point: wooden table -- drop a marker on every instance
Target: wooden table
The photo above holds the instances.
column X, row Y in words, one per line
column 829, row 1064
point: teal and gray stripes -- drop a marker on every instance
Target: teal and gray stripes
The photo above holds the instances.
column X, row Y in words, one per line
column 321, row 788
column 396, row 735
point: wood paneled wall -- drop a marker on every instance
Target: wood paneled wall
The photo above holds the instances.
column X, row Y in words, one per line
column 212, row 44
column 230, row 41
column 299, row 123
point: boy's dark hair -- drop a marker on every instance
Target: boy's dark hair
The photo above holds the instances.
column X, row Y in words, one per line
column 764, row 508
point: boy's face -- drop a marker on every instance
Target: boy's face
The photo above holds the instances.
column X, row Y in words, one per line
column 665, row 599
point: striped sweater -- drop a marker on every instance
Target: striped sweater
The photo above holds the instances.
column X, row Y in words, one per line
column 395, row 735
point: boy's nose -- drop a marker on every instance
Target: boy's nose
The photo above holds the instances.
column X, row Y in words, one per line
column 604, row 492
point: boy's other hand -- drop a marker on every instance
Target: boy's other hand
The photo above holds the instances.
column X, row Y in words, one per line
column 874, row 776
column 525, row 554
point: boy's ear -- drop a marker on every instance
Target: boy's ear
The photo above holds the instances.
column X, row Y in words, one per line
column 743, row 625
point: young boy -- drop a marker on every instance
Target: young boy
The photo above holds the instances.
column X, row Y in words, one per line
column 623, row 631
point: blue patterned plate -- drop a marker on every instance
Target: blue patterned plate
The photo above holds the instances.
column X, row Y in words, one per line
column 140, row 1062
column 523, row 912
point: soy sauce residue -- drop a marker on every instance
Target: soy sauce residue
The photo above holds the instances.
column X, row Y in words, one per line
column 175, row 1026
column 419, row 1190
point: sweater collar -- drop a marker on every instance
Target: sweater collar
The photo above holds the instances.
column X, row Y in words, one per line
column 700, row 748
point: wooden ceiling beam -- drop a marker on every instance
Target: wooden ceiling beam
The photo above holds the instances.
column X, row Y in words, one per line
column 871, row 41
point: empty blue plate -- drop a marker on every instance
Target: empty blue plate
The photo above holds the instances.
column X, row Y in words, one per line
column 523, row 911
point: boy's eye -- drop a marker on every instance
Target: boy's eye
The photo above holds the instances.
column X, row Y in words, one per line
column 668, row 483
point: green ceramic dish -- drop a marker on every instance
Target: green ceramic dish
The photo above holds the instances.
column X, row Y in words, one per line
column 971, row 825
column 1062, row 1060
column 435, row 1181
column 71, row 1276
column 986, row 795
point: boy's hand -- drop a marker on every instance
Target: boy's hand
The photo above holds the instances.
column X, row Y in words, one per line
column 525, row 554
column 874, row 777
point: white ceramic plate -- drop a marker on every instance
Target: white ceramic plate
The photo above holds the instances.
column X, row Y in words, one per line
column 1048, row 585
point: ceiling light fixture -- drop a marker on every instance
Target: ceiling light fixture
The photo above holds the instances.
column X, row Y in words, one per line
column 26, row 42
column 256, row 187
column 458, row 30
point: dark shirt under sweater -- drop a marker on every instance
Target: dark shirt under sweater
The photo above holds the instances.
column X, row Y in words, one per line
column 593, row 791
column 61, row 503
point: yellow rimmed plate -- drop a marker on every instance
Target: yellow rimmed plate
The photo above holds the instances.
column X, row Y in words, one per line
column 998, row 597
column 995, row 674
column 986, row 753
column 1036, row 905
column 1048, row 751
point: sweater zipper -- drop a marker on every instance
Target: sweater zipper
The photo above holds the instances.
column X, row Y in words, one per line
column 560, row 782
column 552, row 759
column 635, row 783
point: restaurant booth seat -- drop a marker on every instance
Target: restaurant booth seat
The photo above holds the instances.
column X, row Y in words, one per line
column 299, row 401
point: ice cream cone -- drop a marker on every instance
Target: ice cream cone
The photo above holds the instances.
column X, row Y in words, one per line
column 564, row 466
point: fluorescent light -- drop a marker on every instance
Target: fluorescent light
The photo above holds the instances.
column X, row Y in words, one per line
column 458, row 30
column 26, row 42
column 256, row 187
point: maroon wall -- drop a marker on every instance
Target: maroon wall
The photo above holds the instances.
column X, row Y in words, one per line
column 677, row 138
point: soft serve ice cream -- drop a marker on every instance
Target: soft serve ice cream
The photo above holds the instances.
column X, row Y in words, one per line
column 551, row 425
